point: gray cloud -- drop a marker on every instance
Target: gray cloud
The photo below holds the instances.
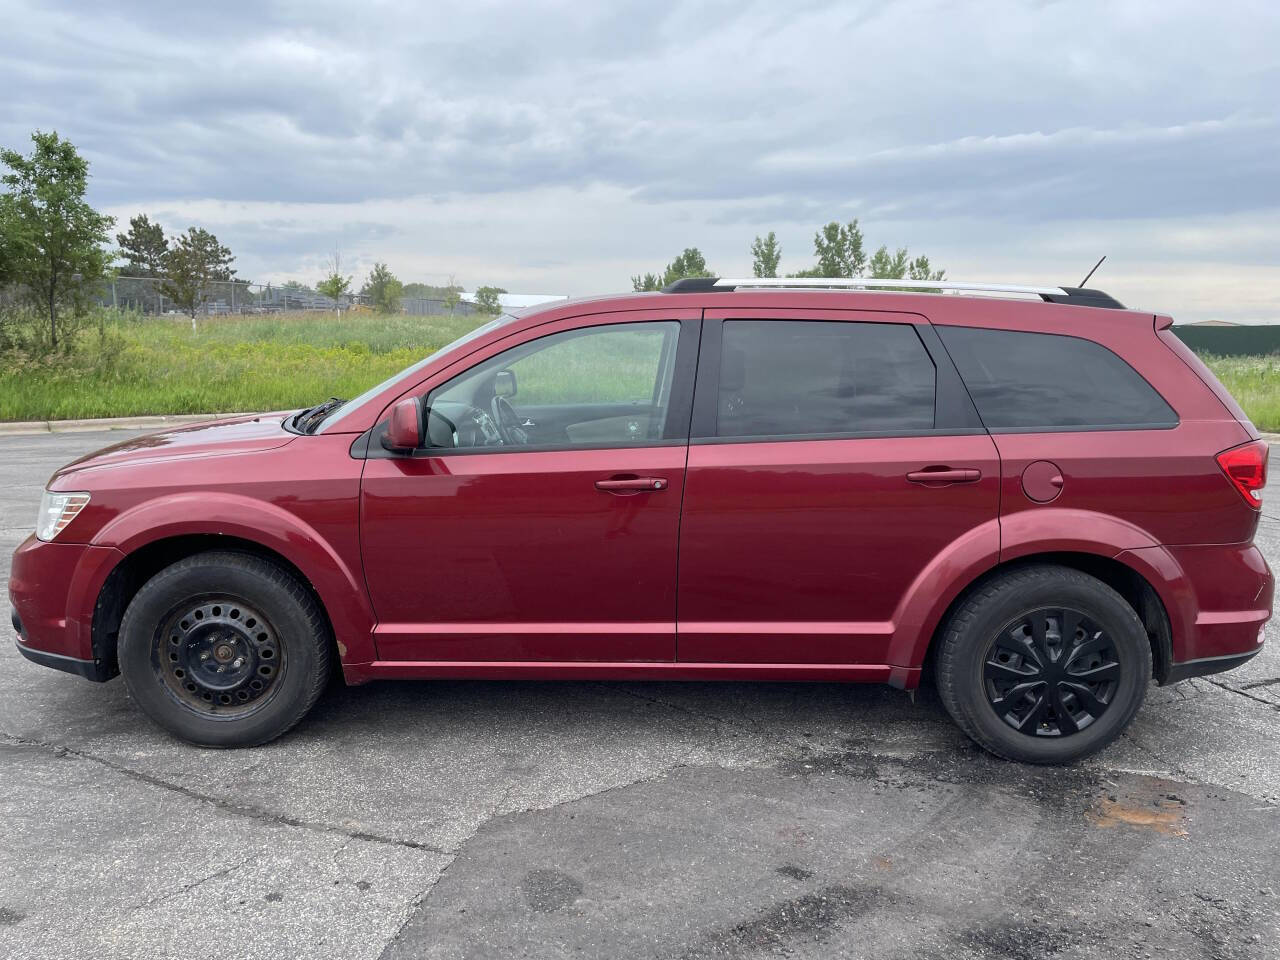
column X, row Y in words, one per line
column 717, row 117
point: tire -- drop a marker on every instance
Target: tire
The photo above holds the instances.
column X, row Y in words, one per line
column 1008, row 632
column 224, row 649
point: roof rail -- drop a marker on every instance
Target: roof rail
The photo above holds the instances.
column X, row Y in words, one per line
column 1079, row 296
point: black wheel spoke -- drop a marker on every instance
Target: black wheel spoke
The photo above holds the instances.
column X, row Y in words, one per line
column 1086, row 648
column 1069, row 625
column 1085, row 697
column 1066, row 722
column 1032, row 719
column 1051, row 672
column 1014, row 697
column 995, row 670
column 1099, row 674
column 1040, row 639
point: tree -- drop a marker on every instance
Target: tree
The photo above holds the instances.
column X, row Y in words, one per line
column 487, row 299
column 919, row 269
column 8, row 247
column 886, row 266
column 143, row 247
column 450, row 294
column 839, row 251
column 453, row 294
column 54, row 242
column 383, row 289
column 195, row 259
column 690, row 263
column 334, row 285
column 765, row 255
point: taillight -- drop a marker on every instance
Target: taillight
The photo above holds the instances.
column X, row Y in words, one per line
column 1246, row 468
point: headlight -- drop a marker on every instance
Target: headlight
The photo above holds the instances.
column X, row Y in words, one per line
column 56, row 511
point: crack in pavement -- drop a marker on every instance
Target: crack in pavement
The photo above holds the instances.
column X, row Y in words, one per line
column 1169, row 767
column 228, row 806
column 188, row 887
column 1240, row 692
column 680, row 708
column 416, row 907
column 495, row 814
column 1260, row 683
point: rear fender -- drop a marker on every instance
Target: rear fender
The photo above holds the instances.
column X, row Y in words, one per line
column 933, row 591
column 1025, row 534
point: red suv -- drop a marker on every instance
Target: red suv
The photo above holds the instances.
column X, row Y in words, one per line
column 1047, row 502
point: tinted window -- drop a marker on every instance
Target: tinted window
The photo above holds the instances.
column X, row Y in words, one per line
column 796, row 378
column 1028, row 380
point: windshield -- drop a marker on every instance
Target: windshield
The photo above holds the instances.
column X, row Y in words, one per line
column 340, row 412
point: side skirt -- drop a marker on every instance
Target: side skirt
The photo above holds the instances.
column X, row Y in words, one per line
column 904, row 678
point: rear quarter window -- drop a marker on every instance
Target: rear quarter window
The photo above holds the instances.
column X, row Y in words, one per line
column 1027, row 381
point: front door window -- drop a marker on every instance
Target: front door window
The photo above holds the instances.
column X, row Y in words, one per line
column 601, row 386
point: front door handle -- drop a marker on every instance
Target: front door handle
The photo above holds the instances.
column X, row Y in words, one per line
column 622, row 486
column 943, row 475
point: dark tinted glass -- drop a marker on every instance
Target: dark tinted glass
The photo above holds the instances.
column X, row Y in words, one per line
column 1029, row 380
column 796, row 378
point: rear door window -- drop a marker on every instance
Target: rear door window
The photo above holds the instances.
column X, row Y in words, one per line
column 1028, row 381
column 794, row 378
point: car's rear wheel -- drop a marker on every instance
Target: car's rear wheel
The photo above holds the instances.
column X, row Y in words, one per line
column 224, row 649
column 1043, row 664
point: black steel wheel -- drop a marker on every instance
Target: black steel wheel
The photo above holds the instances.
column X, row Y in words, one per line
column 219, row 655
column 1051, row 673
column 224, row 649
column 1043, row 664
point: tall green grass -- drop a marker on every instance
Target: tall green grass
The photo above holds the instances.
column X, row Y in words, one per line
column 1254, row 382
column 157, row 365
column 126, row 365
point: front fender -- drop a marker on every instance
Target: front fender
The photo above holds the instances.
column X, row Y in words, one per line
column 339, row 583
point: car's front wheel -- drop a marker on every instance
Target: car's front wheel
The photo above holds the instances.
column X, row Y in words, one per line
column 1043, row 664
column 224, row 649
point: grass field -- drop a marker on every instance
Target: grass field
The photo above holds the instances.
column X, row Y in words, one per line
column 275, row 362
column 1255, row 383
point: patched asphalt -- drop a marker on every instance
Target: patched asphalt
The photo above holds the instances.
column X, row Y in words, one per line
column 474, row 819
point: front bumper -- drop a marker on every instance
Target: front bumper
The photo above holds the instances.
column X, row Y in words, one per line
column 94, row 670
column 54, row 589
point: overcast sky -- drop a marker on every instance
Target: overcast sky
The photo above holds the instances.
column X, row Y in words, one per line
column 560, row 148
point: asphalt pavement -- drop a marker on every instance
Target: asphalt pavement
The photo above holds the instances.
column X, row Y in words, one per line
column 482, row 819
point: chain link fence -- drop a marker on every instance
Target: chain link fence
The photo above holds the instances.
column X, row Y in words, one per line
column 224, row 297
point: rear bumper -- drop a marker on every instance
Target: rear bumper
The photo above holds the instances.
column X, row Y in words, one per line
column 54, row 588
column 1217, row 597
column 1209, row 665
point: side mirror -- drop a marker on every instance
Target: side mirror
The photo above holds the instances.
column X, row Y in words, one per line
column 404, row 431
column 504, row 383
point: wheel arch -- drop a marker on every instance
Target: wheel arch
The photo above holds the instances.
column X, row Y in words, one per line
column 1133, row 587
column 137, row 567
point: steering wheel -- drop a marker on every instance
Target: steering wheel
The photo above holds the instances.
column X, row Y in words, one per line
column 508, row 423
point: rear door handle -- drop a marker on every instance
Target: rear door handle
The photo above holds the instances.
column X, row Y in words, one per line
column 941, row 475
column 622, row 486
